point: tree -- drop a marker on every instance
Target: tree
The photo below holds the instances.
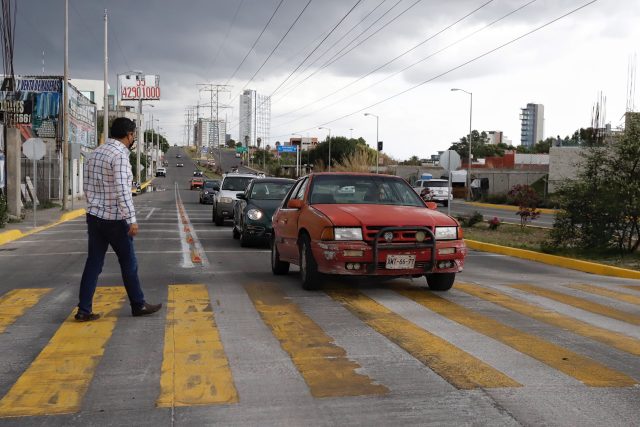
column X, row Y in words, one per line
column 601, row 207
column 413, row 161
column 527, row 200
column 230, row 143
column 151, row 136
column 480, row 147
column 341, row 148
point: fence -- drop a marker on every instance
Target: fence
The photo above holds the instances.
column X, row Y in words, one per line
column 48, row 179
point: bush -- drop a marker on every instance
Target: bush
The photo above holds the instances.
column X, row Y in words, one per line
column 497, row 199
column 470, row 220
column 494, row 223
column 4, row 215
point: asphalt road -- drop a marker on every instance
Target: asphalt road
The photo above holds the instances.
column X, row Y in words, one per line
column 513, row 343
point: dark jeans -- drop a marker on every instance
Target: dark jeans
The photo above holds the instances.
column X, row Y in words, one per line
column 103, row 233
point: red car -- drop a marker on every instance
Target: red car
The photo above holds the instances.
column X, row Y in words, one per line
column 364, row 224
column 196, row 183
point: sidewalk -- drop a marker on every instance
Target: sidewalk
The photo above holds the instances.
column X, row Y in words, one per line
column 44, row 218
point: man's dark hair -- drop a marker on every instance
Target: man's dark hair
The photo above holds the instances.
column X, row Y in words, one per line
column 121, row 126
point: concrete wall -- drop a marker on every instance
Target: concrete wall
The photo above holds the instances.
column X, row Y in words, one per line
column 563, row 163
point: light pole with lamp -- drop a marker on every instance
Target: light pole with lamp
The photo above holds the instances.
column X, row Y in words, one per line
column 329, row 145
column 377, row 140
column 470, row 139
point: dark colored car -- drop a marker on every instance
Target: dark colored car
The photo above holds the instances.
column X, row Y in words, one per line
column 197, row 173
column 207, row 191
column 254, row 208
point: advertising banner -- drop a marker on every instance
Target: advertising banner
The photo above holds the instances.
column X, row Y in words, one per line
column 134, row 87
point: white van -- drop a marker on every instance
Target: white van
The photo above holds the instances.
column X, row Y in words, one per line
column 440, row 190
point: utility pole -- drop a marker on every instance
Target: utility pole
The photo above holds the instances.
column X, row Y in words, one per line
column 105, row 108
column 65, row 125
column 215, row 105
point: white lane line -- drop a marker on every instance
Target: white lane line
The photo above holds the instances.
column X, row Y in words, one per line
column 186, row 256
column 78, row 253
column 150, row 213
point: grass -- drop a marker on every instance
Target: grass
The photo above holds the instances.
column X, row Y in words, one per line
column 533, row 239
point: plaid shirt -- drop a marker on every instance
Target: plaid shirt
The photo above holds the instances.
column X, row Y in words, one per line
column 107, row 182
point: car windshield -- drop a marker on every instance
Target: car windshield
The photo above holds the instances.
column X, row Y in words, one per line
column 362, row 189
column 437, row 184
column 236, row 183
column 270, row 190
column 210, row 184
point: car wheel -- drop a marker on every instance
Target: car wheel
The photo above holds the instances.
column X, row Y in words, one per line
column 236, row 233
column 244, row 240
column 277, row 267
column 219, row 221
column 308, row 265
column 440, row 281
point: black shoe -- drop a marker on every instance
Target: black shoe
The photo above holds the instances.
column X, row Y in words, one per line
column 86, row 317
column 146, row 309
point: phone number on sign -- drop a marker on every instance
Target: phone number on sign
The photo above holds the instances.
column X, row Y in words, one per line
column 140, row 92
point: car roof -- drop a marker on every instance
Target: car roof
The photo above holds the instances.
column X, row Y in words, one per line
column 276, row 180
column 240, row 175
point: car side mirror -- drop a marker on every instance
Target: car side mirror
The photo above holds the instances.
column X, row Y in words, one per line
column 241, row 196
column 216, row 188
column 432, row 205
column 295, row 204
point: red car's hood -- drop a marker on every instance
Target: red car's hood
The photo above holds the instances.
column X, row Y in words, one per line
column 383, row 215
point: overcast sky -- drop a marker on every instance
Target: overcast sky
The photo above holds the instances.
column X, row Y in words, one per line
column 563, row 66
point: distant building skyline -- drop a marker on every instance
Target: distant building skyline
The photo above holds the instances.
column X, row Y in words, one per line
column 255, row 119
column 532, row 124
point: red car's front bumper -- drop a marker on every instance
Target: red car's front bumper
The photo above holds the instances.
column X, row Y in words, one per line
column 357, row 258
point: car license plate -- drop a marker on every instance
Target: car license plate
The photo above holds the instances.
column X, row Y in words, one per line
column 400, row 262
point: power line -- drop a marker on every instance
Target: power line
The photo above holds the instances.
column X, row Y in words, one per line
column 274, row 49
column 347, row 33
column 402, row 70
column 254, row 43
column 226, row 36
column 316, row 48
column 339, row 55
column 489, row 52
column 396, row 58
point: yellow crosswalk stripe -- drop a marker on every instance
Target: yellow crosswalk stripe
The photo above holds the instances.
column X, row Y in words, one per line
column 195, row 368
column 583, row 304
column 15, row 303
column 597, row 290
column 611, row 338
column 456, row 366
column 58, row 378
column 583, row 369
column 324, row 366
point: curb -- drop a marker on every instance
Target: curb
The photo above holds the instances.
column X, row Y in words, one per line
column 570, row 263
column 12, row 235
column 509, row 207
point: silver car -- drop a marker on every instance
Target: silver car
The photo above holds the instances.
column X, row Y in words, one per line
column 232, row 184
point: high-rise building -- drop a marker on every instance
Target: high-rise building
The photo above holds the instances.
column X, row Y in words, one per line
column 255, row 119
column 206, row 133
column 532, row 128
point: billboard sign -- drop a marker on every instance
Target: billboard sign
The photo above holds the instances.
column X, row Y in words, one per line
column 134, row 87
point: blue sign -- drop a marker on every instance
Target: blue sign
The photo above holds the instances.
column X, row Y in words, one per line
column 287, row 148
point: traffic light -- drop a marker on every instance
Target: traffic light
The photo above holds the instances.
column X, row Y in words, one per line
column 379, row 145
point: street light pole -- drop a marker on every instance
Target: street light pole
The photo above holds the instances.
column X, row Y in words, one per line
column 377, row 141
column 470, row 139
column 329, row 146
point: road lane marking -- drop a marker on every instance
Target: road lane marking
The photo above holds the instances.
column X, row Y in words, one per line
column 632, row 287
column 605, row 336
column 150, row 213
column 580, row 303
column 457, row 367
column 195, row 368
column 604, row 292
column 585, row 370
column 15, row 303
column 58, row 378
column 193, row 252
column 325, row 367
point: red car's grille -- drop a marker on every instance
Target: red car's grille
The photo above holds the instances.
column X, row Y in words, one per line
column 402, row 236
